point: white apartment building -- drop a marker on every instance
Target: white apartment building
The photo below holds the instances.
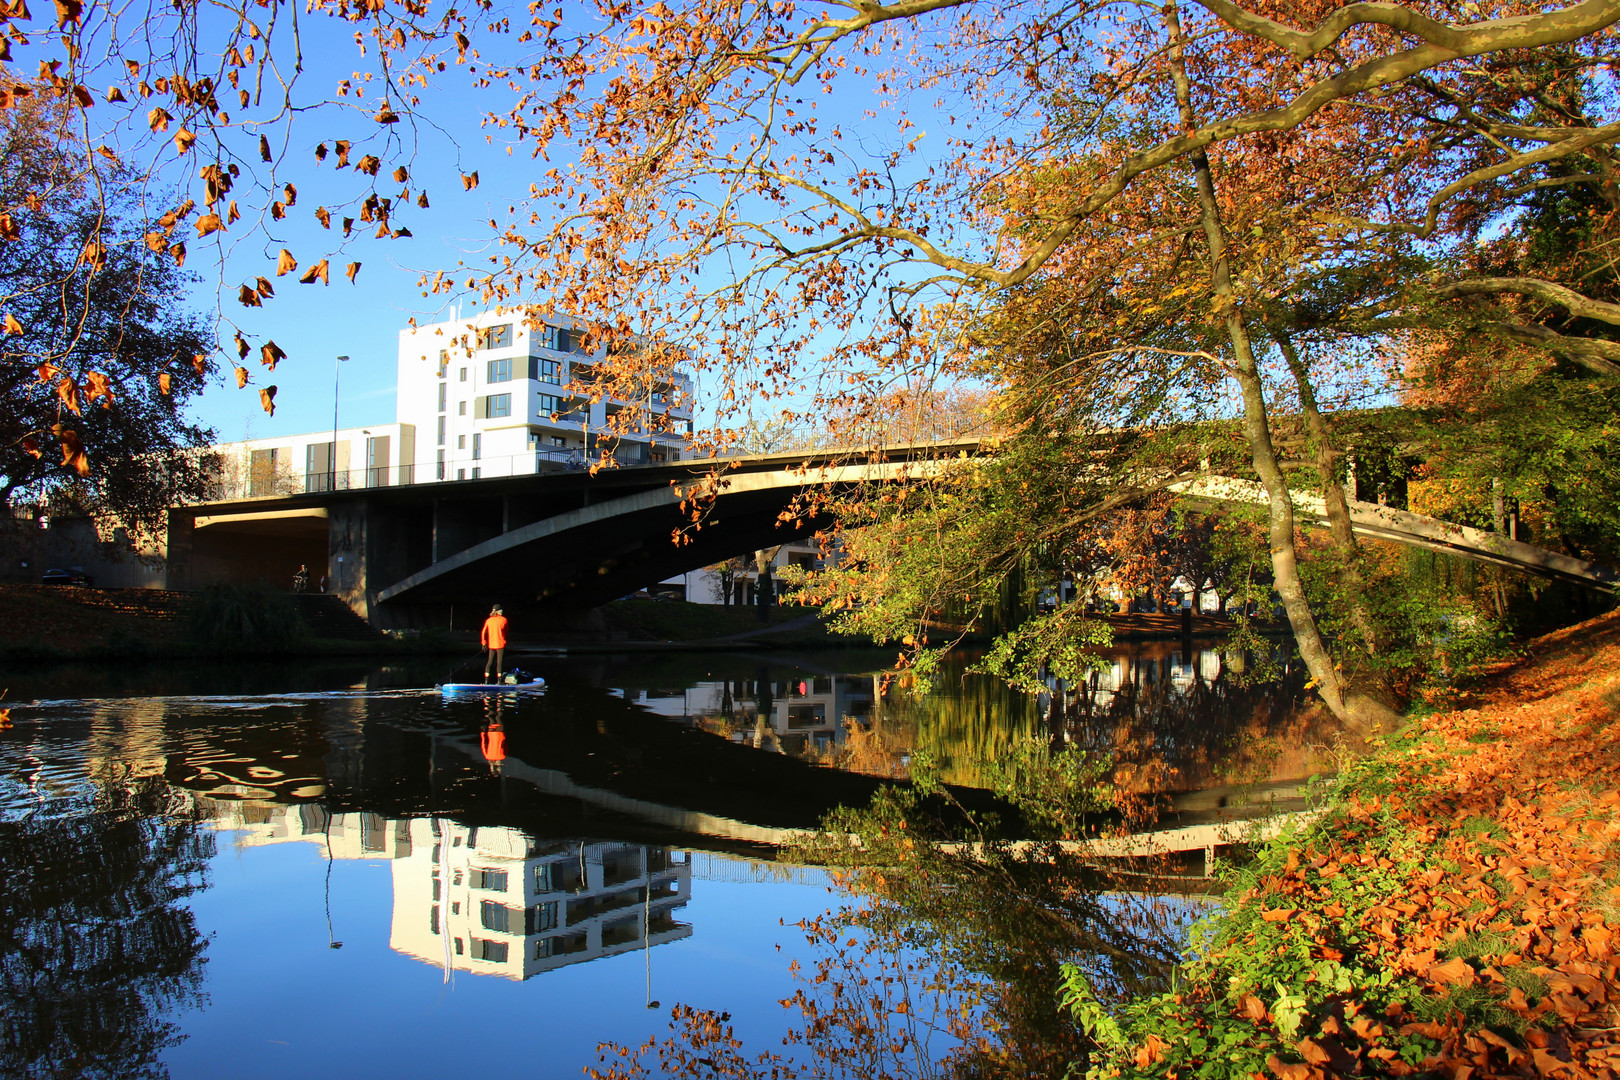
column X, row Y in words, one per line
column 480, row 396
column 488, row 396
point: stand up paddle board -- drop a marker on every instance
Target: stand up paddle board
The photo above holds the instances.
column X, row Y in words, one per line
column 534, row 686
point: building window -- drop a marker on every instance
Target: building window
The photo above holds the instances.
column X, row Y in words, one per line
column 499, row 370
column 478, row 445
column 433, row 919
column 441, row 431
column 551, row 404
column 493, row 916
column 499, row 405
column 461, row 474
column 463, row 377
column 461, row 442
column 559, row 440
column 545, row 370
column 561, row 340
column 477, row 472
column 540, row 917
column 461, row 408
column 495, row 337
column 493, row 951
column 262, row 472
column 444, row 362
column 441, row 470
column 489, row 880
column 444, row 395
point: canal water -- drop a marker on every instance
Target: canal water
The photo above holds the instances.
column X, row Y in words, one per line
column 326, row 868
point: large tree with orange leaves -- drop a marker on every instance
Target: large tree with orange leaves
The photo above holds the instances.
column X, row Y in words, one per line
column 98, row 356
column 706, row 180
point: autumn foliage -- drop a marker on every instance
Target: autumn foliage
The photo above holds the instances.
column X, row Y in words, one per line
column 1453, row 911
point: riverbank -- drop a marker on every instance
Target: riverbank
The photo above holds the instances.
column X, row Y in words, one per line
column 62, row 623
column 1453, row 912
column 71, row 623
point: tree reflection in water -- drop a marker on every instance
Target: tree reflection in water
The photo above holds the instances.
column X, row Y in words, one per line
column 946, row 965
column 1168, row 718
column 95, row 951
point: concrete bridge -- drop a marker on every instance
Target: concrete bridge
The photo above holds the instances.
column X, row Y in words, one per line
column 565, row 542
column 408, row 555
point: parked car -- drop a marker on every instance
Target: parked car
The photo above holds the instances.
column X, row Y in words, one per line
column 65, row 577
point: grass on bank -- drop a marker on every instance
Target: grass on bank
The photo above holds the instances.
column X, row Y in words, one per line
column 1453, row 912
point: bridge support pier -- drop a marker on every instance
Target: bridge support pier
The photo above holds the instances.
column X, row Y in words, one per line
column 178, row 553
column 369, row 546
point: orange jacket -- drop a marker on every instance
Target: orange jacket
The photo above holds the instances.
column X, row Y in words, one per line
column 493, row 636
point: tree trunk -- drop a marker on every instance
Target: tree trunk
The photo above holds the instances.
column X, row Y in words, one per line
column 1353, row 708
column 1334, row 501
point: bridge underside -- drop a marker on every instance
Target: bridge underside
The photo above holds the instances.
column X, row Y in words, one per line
column 585, row 560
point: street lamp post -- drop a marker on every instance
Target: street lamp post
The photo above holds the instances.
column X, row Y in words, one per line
column 331, row 464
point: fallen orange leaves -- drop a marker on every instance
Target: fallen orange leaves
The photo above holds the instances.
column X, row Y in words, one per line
column 1514, row 804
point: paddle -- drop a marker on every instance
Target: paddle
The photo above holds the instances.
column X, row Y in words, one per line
column 477, row 656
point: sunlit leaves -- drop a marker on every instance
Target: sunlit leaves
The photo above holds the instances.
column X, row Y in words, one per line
column 98, row 388
column 74, row 455
column 209, row 223
column 270, row 354
column 67, row 391
column 314, row 272
column 267, row 399
column 285, row 263
column 241, row 377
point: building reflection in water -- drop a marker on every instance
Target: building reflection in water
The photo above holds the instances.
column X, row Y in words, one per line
column 491, row 900
column 803, row 715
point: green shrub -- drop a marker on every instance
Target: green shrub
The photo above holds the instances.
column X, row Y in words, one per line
column 246, row 618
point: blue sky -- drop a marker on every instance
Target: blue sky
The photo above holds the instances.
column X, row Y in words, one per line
column 313, row 324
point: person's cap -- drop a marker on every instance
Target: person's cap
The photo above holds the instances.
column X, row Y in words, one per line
column 496, row 609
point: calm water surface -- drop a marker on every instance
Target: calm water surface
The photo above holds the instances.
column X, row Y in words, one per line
column 324, row 869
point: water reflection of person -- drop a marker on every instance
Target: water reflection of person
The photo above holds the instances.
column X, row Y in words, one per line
column 492, row 740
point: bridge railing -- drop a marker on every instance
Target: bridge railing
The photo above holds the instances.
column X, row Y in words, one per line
column 230, row 486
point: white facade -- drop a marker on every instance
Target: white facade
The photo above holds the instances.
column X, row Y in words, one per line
column 379, row 455
column 481, row 396
column 488, row 396
column 712, row 584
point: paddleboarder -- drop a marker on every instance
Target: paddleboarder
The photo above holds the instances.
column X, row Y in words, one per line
column 493, row 638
